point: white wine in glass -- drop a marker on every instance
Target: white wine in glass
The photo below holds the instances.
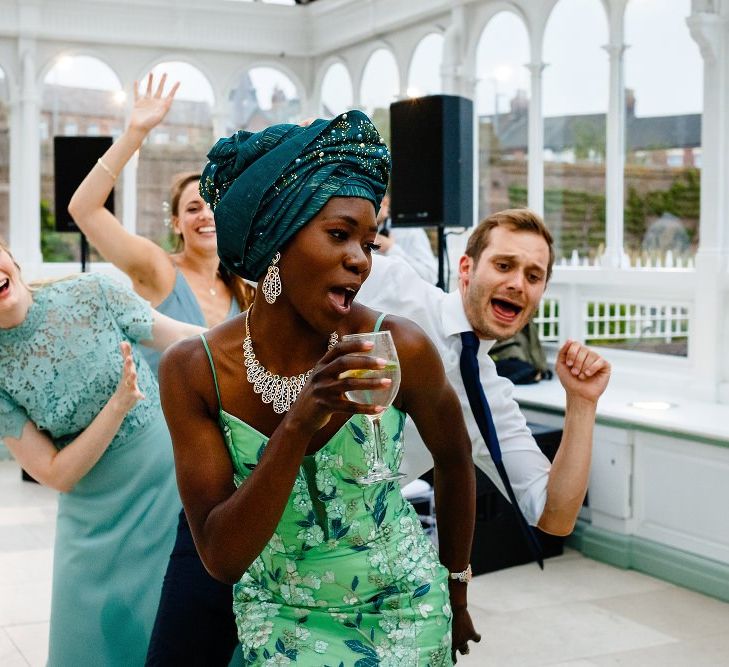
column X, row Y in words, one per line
column 384, row 348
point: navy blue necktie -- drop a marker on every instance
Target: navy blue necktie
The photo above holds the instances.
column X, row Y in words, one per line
column 484, row 420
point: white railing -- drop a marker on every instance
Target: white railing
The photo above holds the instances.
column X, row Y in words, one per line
column 547, row 320
column 630, row 309
column 628, row 320
column 635, row 260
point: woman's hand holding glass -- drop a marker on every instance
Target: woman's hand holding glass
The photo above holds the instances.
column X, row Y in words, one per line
column 383, row 348
column 332, row 378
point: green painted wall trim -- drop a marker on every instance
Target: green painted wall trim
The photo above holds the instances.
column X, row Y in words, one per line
column 685, row 569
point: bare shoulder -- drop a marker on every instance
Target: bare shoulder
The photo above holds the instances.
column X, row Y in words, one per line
column 182, row 359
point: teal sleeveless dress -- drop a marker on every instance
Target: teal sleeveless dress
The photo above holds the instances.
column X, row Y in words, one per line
column 181, row 305
column 348, row 577
column 116, row 527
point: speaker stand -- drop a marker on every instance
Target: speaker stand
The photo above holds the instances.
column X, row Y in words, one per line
column 441, row 258
column 84, row 252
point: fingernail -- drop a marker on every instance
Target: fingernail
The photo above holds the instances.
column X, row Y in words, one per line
column 386, row 381
column 380, row 408
column 380, row 361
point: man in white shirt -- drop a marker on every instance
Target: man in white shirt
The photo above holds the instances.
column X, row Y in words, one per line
column 502, row 276
column 410, row 244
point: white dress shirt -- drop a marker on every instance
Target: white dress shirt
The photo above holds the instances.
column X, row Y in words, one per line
column 412, row 245
column 393, row 287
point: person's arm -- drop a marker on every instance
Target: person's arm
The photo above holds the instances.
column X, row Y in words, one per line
column 226, row 537
column 166, row 331
column 413, row 247
column 584, row 375
column 141, row 259
column 431, row 401
column 62, row 469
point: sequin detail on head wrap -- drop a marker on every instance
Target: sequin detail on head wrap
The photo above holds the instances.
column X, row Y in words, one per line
column 264, row 187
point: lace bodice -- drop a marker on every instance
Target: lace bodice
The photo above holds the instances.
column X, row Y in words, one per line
column 61, row 365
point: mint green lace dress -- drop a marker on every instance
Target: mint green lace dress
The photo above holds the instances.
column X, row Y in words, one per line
column 348, row 578
column 116, row 528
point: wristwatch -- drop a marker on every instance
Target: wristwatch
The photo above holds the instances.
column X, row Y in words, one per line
column 464, row 577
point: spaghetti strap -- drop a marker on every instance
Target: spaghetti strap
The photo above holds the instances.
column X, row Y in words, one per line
column 378, row 324
column 212, row 367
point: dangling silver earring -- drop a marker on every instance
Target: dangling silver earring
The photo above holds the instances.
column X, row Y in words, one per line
column 272, row 282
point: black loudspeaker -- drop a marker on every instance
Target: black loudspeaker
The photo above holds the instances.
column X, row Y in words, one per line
column 73, row 158
column 432, row 161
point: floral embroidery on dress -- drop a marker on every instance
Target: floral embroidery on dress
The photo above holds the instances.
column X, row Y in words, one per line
column 68, row 324
column 348, row 578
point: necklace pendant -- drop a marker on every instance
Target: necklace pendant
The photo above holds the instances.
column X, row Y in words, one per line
column 213, row 291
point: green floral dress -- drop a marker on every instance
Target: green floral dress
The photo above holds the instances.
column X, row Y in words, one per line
column 348, row 578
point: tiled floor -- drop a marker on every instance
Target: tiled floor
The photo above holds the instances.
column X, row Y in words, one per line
column 576, row 613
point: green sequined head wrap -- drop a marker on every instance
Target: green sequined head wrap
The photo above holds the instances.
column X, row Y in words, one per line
column 264, row 187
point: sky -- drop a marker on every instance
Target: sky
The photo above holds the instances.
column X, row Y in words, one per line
column 662, row 65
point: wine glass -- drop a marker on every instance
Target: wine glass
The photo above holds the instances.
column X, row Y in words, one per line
column 384, row 348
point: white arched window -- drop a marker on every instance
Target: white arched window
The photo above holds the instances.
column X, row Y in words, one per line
column 336, row 91
column 4, row 158
column 575, row 107
column 379, row 89
column 663, row 100
column 81, row 97
column 502, row 108
column 424, row 76
column 264, row 96
column 177, row 145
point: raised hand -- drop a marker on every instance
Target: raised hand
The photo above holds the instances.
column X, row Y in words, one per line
column 582, row 372
column 127, row 393
column 152, row 106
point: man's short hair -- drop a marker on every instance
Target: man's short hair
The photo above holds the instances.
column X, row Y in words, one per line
column 517, row 219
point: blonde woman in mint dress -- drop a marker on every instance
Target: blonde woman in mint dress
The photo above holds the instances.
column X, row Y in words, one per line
column 326, row 571
column 79, row 410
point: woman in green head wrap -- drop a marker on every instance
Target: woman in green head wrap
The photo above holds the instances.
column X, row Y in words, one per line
column 267, row 446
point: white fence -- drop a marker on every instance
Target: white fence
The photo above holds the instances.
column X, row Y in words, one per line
column 622, row 308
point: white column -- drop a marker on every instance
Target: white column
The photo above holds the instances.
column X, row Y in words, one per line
column 709, row 326
column 452, row 66
column 615, row 155
column 129, row 194
column 535, row 142
column 25, row 229
column 221, row 117
column 15, row 227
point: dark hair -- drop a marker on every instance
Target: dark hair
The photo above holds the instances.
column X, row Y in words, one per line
column 517, row 219
column 242, row 291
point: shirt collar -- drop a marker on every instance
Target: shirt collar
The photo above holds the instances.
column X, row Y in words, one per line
column 454, row 320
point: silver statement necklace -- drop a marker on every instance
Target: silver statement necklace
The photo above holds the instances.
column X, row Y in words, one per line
column 281, row 390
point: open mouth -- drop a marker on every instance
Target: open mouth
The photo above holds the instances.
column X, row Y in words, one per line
column 206, row 230
column 342, row 297
column 505, row 310
column 4, row 285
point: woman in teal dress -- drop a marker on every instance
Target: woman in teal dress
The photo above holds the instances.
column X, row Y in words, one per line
column 326, row 571
column 79, row 410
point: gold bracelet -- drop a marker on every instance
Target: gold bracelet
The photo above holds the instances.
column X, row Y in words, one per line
column 105, row 167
